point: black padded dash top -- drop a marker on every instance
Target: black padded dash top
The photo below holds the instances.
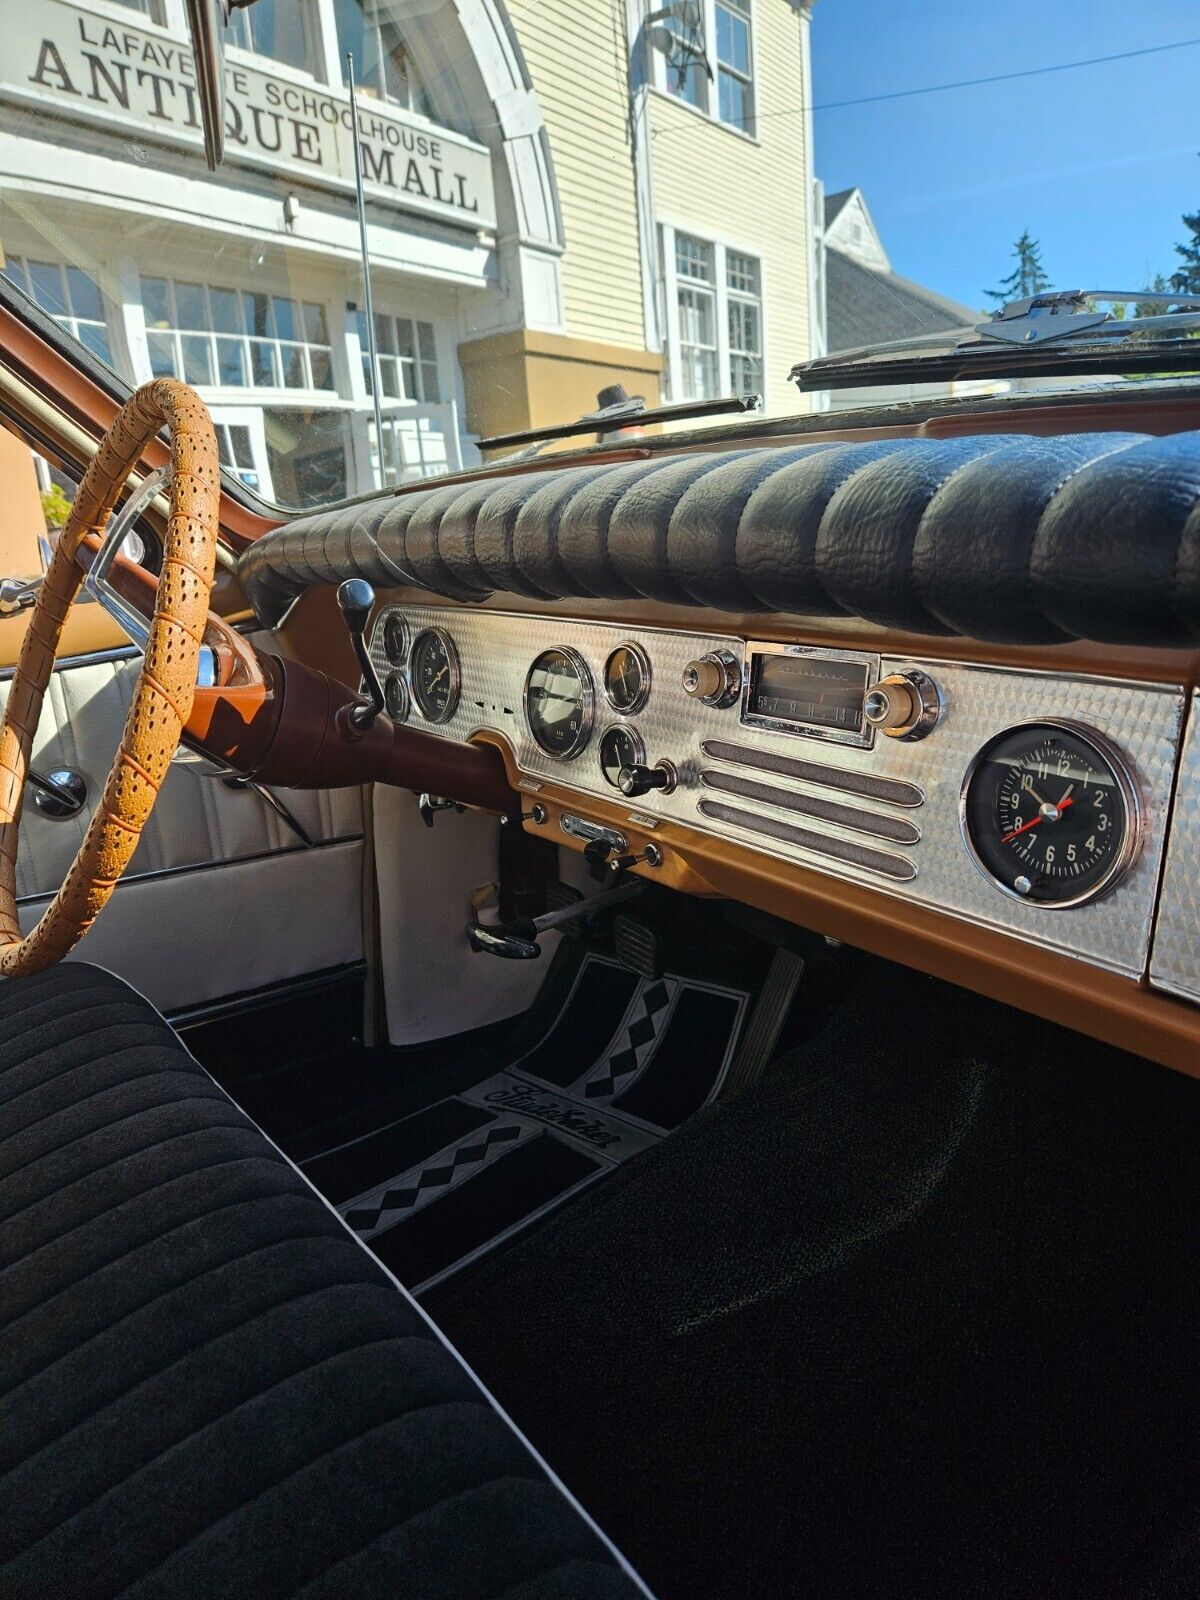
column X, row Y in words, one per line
column 208, row 1387
column 1012, row 538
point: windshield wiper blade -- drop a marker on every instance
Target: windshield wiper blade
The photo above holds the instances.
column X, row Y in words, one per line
column 625, row 414
column 1060, row 332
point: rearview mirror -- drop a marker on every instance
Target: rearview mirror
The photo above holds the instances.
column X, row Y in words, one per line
column 206, row 24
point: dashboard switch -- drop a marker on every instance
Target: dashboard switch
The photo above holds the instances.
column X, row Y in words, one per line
column 904, row 705
column 716, row 678
column 635, row 780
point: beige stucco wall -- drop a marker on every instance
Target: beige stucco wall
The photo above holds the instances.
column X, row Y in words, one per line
column 577, row 55
column 750, row 193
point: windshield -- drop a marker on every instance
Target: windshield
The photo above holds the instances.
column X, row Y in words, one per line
column 567, row 205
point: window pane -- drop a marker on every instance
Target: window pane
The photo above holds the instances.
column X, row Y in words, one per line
column 231, row 362
column 741, row 272
column 226, row 310
column 285, row 318
column 735, row 102
column 262, row 364
column 46, row 281
column 156, row 302
column 239, row 439
column 191, row 306
column 224, row 452
column 697, row 322
column 385, row 334
column 294, row 376
column 389, row 379
column 405, row 341
column 197, row 359
column 315, row 330
column 94, row 336
column 426, row 341
column 322, row 369
column 275, row 28
column 733, row 40
column 258, row 307
column 693, row 258
column 162, row 355
column 85, row 296
column 15, row 273
column 431, row 381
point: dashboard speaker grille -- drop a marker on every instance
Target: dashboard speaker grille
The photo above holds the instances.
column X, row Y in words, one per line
column 822, row 844
column 899, row 830
column 894, row 791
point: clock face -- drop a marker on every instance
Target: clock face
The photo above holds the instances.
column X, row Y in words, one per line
column 1047, row 813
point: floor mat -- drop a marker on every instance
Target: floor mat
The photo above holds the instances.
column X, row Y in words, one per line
column 624, row 1062
column 916, row 1316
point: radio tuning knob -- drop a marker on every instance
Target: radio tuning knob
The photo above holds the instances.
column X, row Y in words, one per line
column 904, row 705
column 715, row 679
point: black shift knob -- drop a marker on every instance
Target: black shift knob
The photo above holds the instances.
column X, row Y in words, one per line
column 356, row 597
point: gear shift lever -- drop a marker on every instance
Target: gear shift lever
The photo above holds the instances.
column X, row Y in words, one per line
column 355, row 597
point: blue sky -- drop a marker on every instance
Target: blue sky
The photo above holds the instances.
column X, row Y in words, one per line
column 1097, row 163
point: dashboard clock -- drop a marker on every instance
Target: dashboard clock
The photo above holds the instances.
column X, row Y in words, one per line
column 434, row 672
column 1050, row 813
column 560, row 703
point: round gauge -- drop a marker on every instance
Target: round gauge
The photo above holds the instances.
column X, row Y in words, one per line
column 560, row 703
column 395, row 638
column 620, row 747
column 1050, row 813
column 395, row 695
column 627, row 678
column 434, row 672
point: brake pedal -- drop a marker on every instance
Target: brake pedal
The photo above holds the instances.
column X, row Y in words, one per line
column 637, row 946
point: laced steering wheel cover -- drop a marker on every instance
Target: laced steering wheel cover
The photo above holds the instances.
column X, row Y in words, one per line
column 162, row 696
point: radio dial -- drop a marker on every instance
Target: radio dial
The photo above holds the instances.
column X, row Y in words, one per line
column 715, row 679
column 904, row 705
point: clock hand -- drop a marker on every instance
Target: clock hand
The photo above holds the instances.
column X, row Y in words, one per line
column 1036, row 822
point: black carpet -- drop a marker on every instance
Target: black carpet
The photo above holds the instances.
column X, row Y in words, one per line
column 917, row 1316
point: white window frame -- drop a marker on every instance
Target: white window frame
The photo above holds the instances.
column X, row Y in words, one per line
column 720, row 247
column 710, row 93
column 69, row 320
column 261, row 393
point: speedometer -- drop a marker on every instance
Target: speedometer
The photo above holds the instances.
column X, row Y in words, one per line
column 560, row 703
column 1050, row 813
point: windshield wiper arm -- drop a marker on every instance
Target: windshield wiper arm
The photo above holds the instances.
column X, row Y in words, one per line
column 1060, row 332
column 626, row 413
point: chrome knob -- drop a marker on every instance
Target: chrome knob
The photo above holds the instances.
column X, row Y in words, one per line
column 715, row 679
column 904, row 705
column 635, row 780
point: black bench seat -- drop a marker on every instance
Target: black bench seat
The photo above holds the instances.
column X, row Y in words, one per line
column 208, row 1387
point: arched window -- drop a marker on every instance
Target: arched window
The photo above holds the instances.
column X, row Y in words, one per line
column 383, row 64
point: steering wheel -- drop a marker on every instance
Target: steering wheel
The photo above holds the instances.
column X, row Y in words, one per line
column 172, row 641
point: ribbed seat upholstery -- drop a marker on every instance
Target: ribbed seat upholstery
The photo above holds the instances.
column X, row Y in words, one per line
column 207, row 1386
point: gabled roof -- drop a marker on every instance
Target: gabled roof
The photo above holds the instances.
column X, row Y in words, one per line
column 864, row 306
column 835, row 203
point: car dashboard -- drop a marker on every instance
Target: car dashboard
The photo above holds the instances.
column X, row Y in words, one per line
column 784, row 750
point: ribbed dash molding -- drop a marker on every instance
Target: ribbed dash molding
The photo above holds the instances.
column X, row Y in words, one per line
column 897, row 830
column 821, row 844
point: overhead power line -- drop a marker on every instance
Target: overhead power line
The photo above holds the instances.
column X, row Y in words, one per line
column 964, row 83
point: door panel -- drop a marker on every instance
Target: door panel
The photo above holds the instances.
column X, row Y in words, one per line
column 221, row 896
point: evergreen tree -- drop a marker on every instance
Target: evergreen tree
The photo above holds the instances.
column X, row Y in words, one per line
column 1187, row 279
column 1027, row 278
column 1147, row 308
